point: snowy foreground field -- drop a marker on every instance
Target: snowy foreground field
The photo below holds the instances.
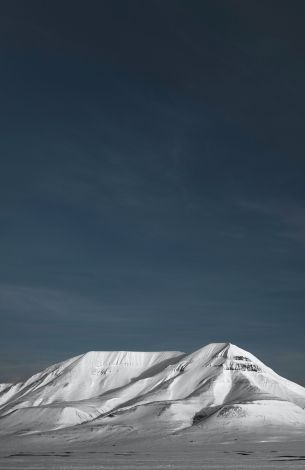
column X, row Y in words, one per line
column 219, row 407
column 166, row 454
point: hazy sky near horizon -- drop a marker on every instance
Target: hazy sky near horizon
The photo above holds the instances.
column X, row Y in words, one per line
column 152, row 188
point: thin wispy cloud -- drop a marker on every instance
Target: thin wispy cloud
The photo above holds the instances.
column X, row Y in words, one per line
column 41, row 304
column 290, row 217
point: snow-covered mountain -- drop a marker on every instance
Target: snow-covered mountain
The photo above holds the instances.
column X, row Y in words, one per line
column 219, row 387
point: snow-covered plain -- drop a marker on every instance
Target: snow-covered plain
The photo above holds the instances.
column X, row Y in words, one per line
column 219, row 407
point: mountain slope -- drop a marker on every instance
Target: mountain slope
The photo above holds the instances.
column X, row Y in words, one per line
column 218, row 387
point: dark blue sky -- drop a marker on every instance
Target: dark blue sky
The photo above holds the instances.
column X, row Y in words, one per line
column 152, row 188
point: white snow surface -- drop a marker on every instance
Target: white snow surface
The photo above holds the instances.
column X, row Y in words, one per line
column 216, row 390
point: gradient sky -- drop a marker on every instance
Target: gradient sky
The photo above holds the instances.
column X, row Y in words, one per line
column 152, row 175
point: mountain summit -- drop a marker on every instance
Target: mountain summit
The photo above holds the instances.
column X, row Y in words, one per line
column 218, row 388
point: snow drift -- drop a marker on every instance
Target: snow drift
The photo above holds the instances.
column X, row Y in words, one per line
column 219, row 387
